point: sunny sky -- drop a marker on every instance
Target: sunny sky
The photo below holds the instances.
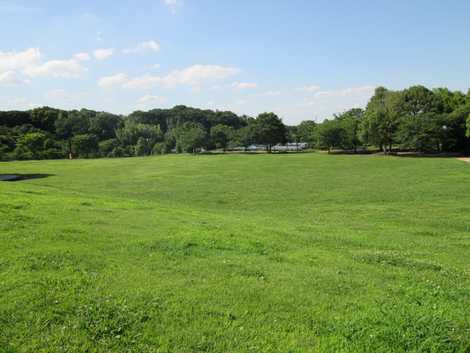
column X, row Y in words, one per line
column 302, row 59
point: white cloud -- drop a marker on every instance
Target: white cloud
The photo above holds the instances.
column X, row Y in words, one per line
column 143, row 82
column 82, row 57
column 103, row 54
column 193, row 76
column 149, row 46
column 244, row 85
column 18, row 104
column 19, row 60
column 56, row 69
column 113, row 80
column 28, row 63
column 11, row 78
column 347, row 92
column 58, row 95
column 149, row 99
column 272, row 93
column 173, row 5
column 326, row 103
column 156, row 67
column 197, row 74
column 310, row 89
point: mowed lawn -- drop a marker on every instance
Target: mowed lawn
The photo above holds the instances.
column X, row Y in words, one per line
column 236, row 253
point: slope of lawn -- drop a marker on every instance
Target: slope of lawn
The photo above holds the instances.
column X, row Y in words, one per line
column 238, row 253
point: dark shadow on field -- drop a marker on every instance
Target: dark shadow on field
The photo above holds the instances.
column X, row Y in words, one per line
column 21, row 177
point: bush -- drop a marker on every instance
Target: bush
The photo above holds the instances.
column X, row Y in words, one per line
column 159, row 148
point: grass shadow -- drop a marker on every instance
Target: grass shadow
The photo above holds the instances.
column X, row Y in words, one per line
column 21, row 177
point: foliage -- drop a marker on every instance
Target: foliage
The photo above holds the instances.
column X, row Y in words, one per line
column 221, row 135
column 331, row 135
column 414, row 119
column 190, row 137
column 269, row 130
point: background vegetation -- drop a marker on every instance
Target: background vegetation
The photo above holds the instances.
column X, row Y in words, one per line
column 415, row 119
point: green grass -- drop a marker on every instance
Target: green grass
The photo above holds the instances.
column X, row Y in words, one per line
column 264, row 253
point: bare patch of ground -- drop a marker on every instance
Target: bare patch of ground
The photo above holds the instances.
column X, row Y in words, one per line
column 464, row 159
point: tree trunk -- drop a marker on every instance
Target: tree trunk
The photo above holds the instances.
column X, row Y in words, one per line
column 70, row 150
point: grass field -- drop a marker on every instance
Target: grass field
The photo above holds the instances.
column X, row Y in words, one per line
column 239, row 253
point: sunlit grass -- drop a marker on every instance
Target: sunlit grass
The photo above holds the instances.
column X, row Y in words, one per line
column 263, row 253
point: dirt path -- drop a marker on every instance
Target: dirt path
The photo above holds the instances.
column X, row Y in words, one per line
column 466, row 159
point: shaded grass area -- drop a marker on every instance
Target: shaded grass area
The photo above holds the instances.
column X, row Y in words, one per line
column 282, row 253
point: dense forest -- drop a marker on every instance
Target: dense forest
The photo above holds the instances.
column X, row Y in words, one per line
column 414, row 119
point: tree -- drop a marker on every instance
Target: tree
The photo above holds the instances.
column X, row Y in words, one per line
column 190, row 137
column 85, row 145
column 44, row 118
column 424, row 132
column 131, row 133
column 418, row 100
column 31, row 146
column 269, row 130
column 244, row 136
column 307, row 132
column 350, row 122
column 331, row 134
column 104, row 125
column 381, row 119
column 457, row 129
column 70, row 124
column 221, row 135
column 107, row 147
column 468, row 127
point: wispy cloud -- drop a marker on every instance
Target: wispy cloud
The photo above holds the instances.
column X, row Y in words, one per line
column 244, row 85
column 19, row 60
column 27, row 63
column 82, row 57
column 143, row 82
column 198, row 74
column 56, row 69
column 326, row 103
column 309, row 89
column 149, row 99
column 192, row 76
column 103, row 54
column 173, row 5
column 272, row 93
column 11, row 78
column 113, row 80
column 148, row 46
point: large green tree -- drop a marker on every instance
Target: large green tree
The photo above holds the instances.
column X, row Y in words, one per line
column 269, row 130
column 307, row 132
column 221, row 136
column 381, row 119
column 331, row 135
column 190, row 137
column 350, row 122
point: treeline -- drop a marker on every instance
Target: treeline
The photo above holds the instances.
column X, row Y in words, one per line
column 48, row 133
column 415, row 119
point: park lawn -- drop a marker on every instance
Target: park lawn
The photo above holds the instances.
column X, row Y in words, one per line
column 236, row 253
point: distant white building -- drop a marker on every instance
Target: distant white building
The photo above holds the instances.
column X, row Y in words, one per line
column 290, row 147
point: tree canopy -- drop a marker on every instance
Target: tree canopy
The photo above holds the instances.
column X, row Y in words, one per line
column 413, row 119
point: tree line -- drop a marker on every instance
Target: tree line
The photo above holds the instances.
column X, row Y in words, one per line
column 414, row 119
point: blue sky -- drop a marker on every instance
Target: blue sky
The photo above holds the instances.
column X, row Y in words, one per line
column 300, row 59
